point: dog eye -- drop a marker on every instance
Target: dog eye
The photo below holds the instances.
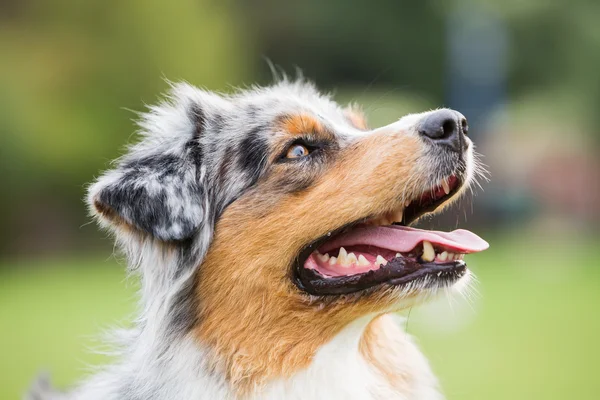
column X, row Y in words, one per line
column 297, row 151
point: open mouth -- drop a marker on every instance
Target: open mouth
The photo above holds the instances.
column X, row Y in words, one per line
column 382, row 250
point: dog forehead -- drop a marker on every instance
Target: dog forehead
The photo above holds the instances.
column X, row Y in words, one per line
column 267, row 104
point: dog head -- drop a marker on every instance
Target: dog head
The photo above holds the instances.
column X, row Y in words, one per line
column 291, row 216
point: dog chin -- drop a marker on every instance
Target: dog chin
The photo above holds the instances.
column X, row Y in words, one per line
column 404, row 298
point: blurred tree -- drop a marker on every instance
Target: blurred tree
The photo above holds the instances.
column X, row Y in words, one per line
column 70, row 70
column 68, row 73
column 555, row 53
column 338, row 42
column 552, row 45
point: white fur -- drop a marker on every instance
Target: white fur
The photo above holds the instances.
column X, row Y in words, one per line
column 339, row 371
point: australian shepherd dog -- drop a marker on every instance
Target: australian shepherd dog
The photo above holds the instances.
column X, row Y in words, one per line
column 271, row 232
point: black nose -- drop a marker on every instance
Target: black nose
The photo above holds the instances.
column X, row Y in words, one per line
column 446, row 127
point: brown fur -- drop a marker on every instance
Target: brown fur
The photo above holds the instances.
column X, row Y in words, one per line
column 117, row 220
column 356, row 117
column 382, row 346
column 259, row 325
column 301, row 124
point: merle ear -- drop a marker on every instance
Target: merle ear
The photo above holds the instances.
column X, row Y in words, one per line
column 159, row 195
column 156, row 188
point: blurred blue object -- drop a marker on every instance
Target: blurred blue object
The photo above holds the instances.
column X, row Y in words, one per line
column 477, row 47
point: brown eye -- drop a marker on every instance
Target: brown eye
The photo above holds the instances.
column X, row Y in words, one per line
column 297, row 151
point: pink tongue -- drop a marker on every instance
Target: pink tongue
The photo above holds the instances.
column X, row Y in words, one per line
column 403, row 239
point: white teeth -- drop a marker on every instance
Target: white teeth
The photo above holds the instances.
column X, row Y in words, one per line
column 398, row 255
column 397, row 216
column 351, row 259
column 341, row 258
column 380, row 260
column 381, row 221
column 428, row 252
column 460, row 257
column 323, row 257
column 450, row 256
column 343, row 253
column 344, row 259
column 363, row 261
column 445, row 186
column 443, row 256
column 388, row 218
column 332, row 261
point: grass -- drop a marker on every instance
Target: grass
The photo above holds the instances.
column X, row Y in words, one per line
column 531, row 334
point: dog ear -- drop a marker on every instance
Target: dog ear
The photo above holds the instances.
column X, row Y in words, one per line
column 159, row 195
column 157, row 187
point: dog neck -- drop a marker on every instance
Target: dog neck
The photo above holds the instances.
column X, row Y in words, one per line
column 371, row 358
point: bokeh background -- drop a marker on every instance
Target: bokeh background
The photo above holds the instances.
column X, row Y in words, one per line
column 525, row 73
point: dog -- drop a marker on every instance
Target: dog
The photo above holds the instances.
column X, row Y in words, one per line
column 271, row 232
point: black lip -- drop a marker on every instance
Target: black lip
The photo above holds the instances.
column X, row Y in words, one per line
column 397, row 271
column 415, row 211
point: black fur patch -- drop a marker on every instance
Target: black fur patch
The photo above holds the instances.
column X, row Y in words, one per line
column 194, row 151
column 182, row 312
column 162, row 164
column 253, row 153
column 193, row 145
column 199, row 119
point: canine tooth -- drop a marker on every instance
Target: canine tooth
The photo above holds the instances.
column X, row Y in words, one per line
column 445, row 186
column 323, row 257
column 443, row 256
column 351, row 259
column 341, row 258
column 428, row 252
column 343, row 252
column 380, row 260
column 332, row 261
column 362, row 260
column 397, row 216
column 398, row 255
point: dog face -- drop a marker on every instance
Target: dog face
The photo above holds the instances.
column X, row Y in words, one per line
column 281, row 204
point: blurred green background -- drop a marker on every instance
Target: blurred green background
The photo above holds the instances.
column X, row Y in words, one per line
column 524, row 73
